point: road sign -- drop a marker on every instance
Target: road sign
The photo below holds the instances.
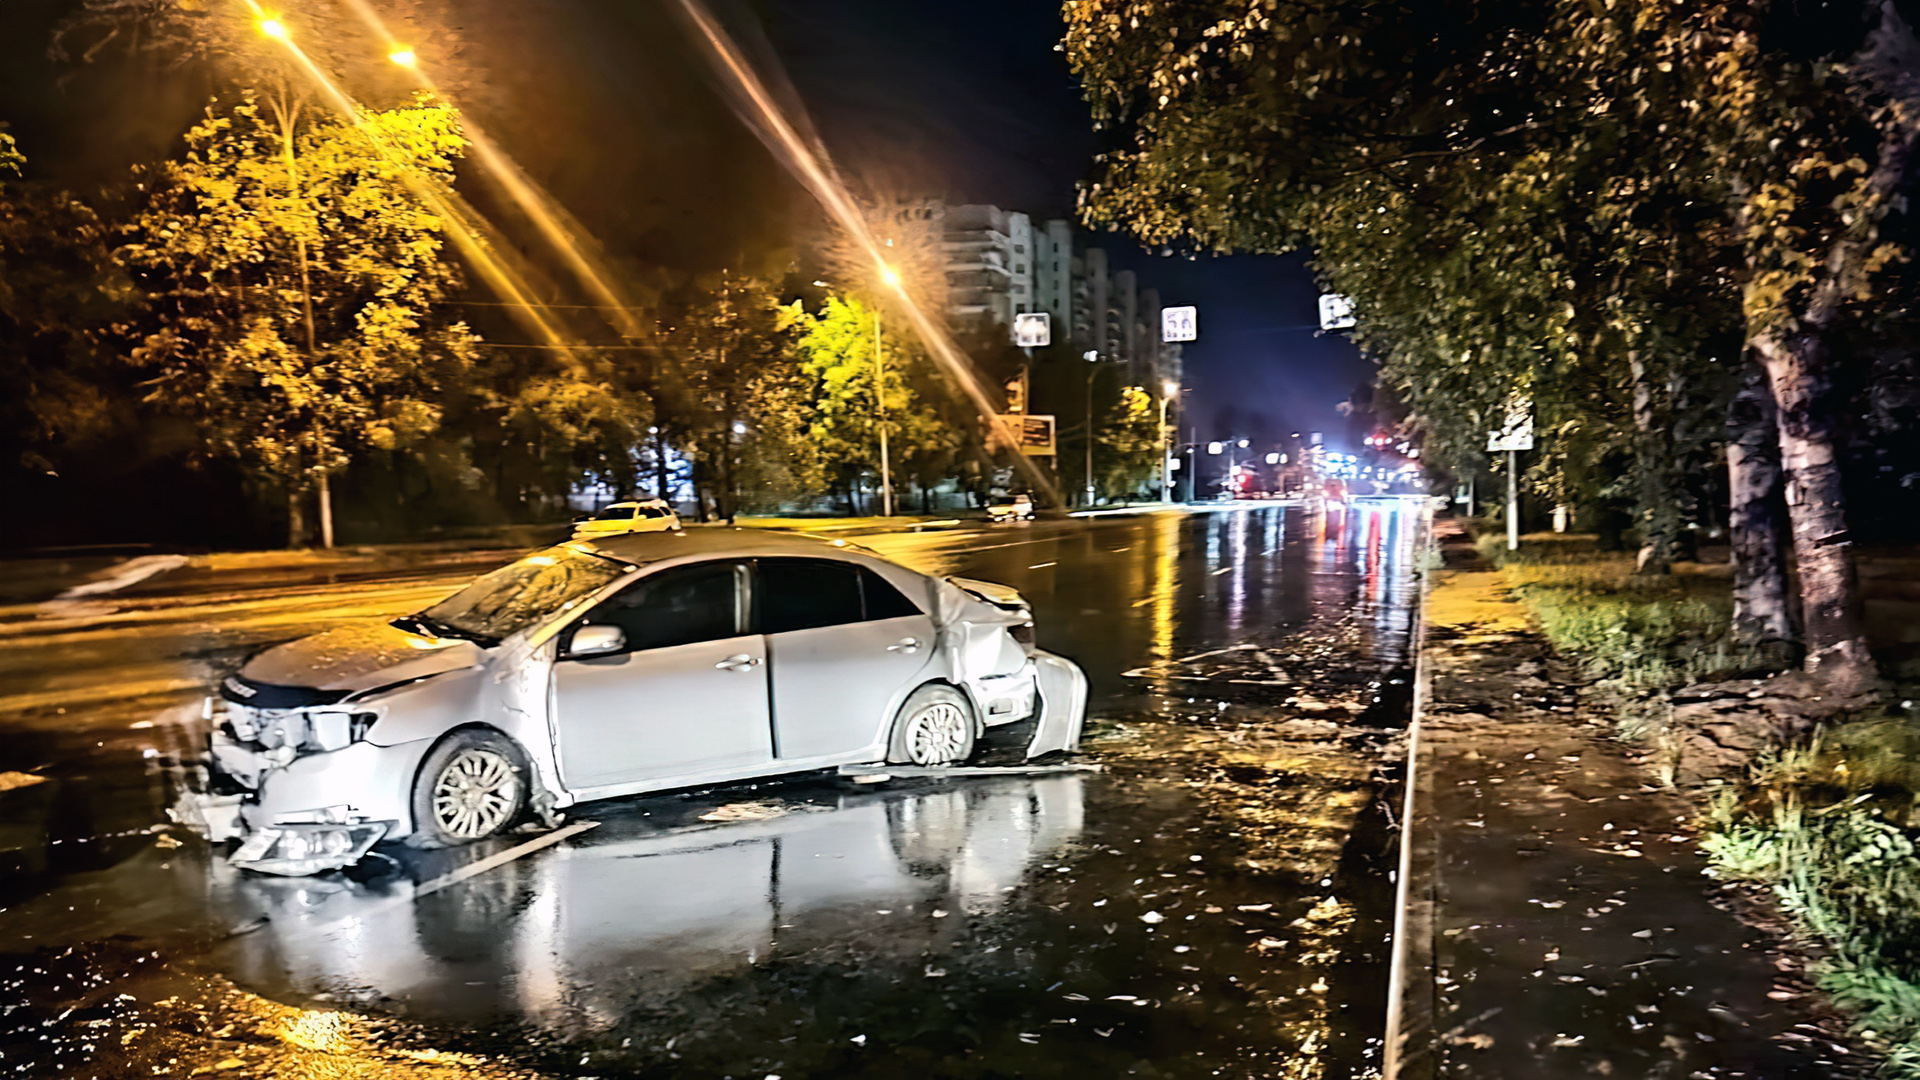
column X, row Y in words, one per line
column 1179, row 324
column 1033, row 434
column 1336, row 312
column 1517, row 432
column 1033, row 330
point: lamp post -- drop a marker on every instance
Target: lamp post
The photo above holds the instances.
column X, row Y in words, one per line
column 880, row 420
column 1093, row 367
column 1168, row 390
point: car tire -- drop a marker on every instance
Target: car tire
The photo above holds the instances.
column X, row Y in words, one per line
column 472, row 785
column 934, row 727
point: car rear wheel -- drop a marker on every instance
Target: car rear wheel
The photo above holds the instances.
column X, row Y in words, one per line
column 934, row 727
column 471, row 786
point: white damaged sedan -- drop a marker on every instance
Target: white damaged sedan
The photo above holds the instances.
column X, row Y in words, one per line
column 612, row 667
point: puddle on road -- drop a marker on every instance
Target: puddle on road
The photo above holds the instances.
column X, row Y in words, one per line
column 1198, row 910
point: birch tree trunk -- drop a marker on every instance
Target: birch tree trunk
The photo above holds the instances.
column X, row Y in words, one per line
column 1836, row 640
column 1761, row 616
column 1793, row 347
column 1658, row 509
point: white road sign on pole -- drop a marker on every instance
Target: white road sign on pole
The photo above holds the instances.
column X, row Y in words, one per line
column 1517, row 433
column 1336, row 312
column 1033, row 329
column 1179, row 324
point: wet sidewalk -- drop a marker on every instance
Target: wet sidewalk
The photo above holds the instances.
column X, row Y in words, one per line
column 1562, row 912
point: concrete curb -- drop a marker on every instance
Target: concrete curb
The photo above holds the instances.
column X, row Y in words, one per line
column 1409, row 1040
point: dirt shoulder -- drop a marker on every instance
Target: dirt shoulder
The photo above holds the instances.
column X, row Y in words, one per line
column 1574, row 931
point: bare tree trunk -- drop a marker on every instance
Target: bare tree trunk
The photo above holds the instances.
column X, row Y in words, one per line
column 326, row 511
column 1761, row 616
column 296, row 515
column 661, row 488
column 728, row 497
column 1658, row 510
column 1829, row 586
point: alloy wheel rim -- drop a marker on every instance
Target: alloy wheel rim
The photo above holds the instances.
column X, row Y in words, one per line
column 474, row 793
column 937, row 734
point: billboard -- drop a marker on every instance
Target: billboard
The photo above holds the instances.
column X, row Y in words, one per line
column 1033, row 329
column 1033, row 434
column 1179, row 324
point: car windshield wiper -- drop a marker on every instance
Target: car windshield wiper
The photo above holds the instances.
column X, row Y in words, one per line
column 431, row 627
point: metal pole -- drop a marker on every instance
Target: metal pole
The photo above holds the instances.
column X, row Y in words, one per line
column 1166, row 452
column 1513, row 500
column 1091, row 369
column 880, row 420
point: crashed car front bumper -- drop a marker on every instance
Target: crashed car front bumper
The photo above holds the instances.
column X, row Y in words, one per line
column 318, row 811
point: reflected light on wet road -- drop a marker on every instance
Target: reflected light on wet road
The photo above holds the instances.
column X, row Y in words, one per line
column 1215, row 902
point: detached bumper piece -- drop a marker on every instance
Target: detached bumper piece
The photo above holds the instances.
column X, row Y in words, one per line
column 1063, row 705
column 216, row 817
column 299, row 850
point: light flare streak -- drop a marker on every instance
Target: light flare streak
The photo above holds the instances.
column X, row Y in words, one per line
column 476, row 240
column 558, row 227
column 767, row 120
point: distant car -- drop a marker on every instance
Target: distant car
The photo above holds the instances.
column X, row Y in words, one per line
column 1018, row 508
column 651, row 515
column 610, row 667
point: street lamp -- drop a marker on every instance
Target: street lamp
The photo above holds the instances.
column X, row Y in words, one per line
column 403, row 56
column 1092, row 357
column 892, row 279
column 274, row 29
column 1168, row 390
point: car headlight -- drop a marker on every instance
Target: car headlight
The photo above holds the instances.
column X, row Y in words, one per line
column 296, row 850
column 333, row 729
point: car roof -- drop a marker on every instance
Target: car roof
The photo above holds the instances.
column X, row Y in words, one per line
column 635, row 502
column 643, row 548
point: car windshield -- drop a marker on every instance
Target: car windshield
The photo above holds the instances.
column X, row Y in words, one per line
column 520, row 594
column 615, row 513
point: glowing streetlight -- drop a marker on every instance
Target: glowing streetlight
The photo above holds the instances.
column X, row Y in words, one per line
column 274, row 29
column 403, row 56
column 889, row 277
column 1273, row 458
column 1214, row 448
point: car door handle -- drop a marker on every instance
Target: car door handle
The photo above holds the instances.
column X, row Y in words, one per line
column 742, row 662
column 905, row 644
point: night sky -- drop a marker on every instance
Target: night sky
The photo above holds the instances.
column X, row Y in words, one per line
column 605, row 103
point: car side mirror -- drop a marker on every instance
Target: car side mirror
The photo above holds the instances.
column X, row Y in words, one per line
column 597, row 639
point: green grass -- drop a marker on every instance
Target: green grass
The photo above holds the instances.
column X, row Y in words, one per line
column 1826, row 828
column 1638, row 632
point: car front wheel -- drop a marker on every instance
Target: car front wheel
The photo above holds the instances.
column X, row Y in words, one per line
column 471, row 786
column 934, row 727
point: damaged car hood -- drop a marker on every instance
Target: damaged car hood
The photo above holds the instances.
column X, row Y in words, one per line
column 361, row 655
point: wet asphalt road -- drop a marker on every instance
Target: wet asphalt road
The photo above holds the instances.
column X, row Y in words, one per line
column 1214, row 902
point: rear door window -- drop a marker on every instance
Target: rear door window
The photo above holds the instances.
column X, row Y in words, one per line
column 881, row 600
column 806, row 594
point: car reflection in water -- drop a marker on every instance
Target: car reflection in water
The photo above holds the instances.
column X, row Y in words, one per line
column 572, row 939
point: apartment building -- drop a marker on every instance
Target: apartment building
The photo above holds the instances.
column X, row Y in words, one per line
column 1000, row 263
